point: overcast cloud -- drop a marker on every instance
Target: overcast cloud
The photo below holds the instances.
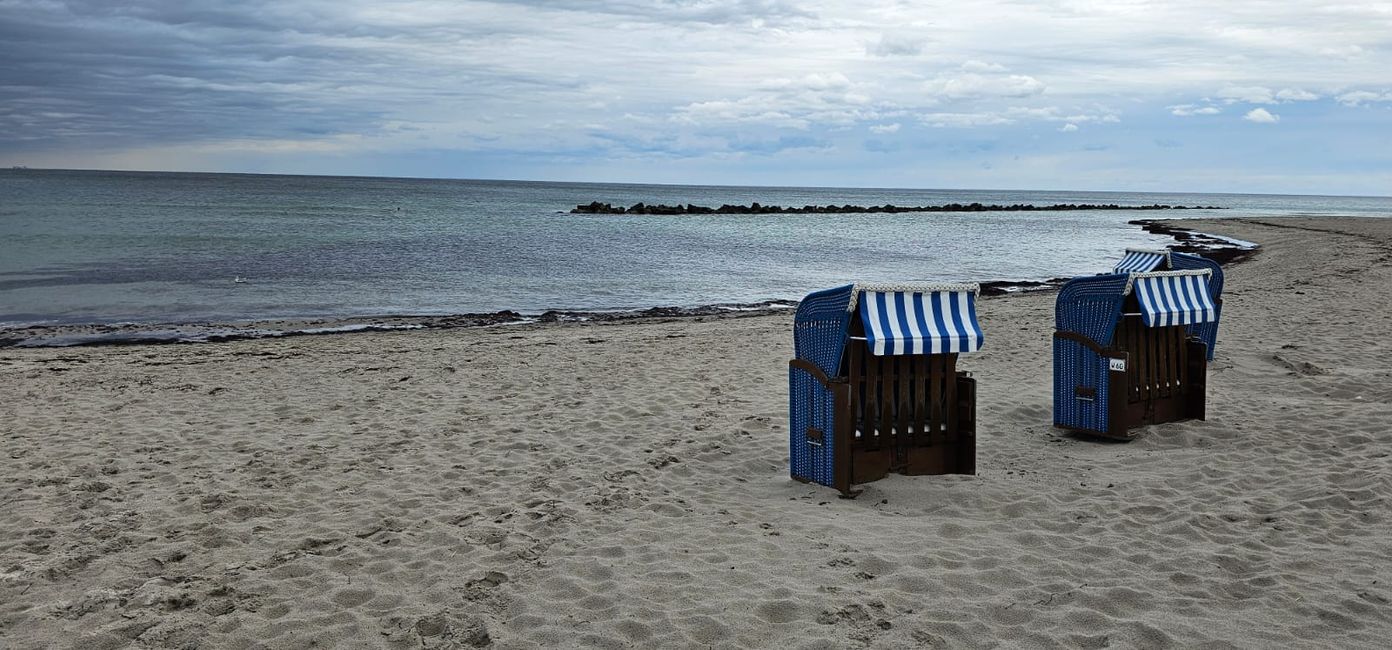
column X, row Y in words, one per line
column 1244, row 96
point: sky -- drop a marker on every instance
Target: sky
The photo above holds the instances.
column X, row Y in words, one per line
column 1234, row 96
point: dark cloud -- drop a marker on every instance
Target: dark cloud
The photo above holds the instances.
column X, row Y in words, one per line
column 95, row 74
column 897, row 45
column 113, row 76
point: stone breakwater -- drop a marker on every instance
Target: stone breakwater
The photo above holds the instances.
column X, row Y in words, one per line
column 595, row 207
column 1218, row 249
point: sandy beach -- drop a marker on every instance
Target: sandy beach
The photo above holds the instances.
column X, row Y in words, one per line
column 626, row 486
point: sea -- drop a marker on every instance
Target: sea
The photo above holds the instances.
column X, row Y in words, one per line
column 90, row 247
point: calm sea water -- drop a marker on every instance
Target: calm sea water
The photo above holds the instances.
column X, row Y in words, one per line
column 79, row 247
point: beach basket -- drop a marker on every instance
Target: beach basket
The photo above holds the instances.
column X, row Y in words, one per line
column 1132, row 347
column 874, row 387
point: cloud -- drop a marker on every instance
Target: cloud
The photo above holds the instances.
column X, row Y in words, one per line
column 748, row 110
column 889, row 45
column 963, row 120
column 714, row 12
column 1068, row 128
column 1019, row 114
column 1185, row 110
column 1361, row 97
column 1055, row 114
column 1296, row 95
column 1014, row 115
column 1261, row 116
column 1342, row 51
column 884, row 128
column 779, row 144
column 1248, row 94
column 811, row 81
column 825, row 99
column 981, row 85
column 982, row 66
column 1263, row 95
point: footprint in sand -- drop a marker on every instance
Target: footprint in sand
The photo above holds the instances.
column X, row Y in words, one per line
column 353, row 597
column 1303, row 368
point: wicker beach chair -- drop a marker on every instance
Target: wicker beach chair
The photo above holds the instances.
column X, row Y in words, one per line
column 874, row 387
column 1138, row 260
column 1132, row 347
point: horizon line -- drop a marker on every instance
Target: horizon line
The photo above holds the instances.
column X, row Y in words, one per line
column 21, row 168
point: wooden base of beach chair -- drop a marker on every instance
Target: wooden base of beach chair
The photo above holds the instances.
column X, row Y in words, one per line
column 913, row 415
column 1162, row 377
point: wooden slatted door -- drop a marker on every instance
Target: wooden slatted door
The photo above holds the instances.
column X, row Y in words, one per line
column 1157, row 375
column 938, row 440
column 905, row 415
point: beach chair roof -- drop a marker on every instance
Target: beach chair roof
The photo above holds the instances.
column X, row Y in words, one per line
column 918, row 318
column 1092, row 305
column 1142, row 260
column 899, row 319
column 1173, row 297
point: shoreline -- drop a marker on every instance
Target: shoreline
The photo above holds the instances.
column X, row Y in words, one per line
column 63, row 335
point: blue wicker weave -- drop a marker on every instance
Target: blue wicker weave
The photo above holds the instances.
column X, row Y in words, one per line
column 1206, row 332
column 820, row 328
column 1089, row 306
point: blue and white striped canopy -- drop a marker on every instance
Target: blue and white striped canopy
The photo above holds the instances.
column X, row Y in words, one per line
column 1174, row 298
column 926, row 319
column 1142, row 261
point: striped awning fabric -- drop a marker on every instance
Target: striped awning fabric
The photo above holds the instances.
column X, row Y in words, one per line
column 932, row 319
column 1139, row 260
column 1174, row 297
